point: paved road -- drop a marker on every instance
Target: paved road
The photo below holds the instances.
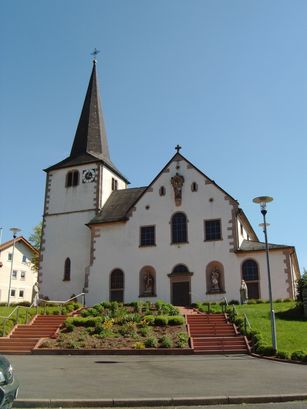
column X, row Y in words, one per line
column 152, row 377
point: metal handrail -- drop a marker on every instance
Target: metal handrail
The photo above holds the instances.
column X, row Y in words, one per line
column 62, row 303
column 18, row 307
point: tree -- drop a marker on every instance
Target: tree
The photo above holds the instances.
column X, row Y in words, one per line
column 35, row 240
column 301, row 283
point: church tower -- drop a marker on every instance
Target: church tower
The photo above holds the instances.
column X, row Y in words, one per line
column 76, row 189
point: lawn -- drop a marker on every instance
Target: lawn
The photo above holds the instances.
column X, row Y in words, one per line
column 291, row 329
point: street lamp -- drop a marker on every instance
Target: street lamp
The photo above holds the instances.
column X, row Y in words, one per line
column 14, row 230
column 263, row 200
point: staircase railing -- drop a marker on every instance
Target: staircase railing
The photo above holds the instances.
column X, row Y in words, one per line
column 62, row 303
column 16, row 311
column 246, row 322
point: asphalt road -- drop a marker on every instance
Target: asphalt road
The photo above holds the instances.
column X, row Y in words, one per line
column 154, row 377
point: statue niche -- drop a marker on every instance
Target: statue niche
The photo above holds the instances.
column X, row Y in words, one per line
column 177, row 183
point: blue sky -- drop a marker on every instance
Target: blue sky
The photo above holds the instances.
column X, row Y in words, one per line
column 227, row 80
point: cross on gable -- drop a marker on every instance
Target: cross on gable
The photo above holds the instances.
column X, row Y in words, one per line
column 94, row 53
column 178, row 147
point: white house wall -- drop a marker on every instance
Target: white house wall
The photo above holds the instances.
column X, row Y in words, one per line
column 19, row 283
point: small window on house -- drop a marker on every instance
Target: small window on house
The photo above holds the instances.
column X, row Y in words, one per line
column 162, row 191
column 241, row 228
column 13, row 292
column 22, row 275
column 72, row 178
column 24, row 259
column 147, row 237
column 213, row 230
column 179, row 228
column 114, row 184
column 194, row 187
column 21, row 293
column 9, row 257
column 67, row 270
column 14, row 274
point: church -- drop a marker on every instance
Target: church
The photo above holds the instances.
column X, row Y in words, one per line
column 180, row 239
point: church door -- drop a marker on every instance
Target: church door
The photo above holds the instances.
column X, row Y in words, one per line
column 181, row 293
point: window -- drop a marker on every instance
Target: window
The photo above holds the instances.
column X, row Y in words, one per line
column 194, row 187
column 67, row 270
column 117, row 285
column 180, row 269
column 10, row 256
column 162, row 191
column 22, row 275
column 148, row 236
column 179, row 228
column 14, row 274
column 213, row 230
column 21, row 293
column 114, row 184
column 72, row 178
column 13, row 292
column 24, row 259
column 250, row 275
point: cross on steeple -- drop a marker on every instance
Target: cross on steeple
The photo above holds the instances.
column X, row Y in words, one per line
column 94, row 54
column 178, row 147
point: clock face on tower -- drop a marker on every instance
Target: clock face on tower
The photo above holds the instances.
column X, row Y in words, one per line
column 88, row 175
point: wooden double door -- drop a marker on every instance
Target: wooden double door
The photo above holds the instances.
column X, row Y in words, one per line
column 181, row 293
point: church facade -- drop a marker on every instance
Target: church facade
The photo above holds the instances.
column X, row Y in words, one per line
column 181, row 239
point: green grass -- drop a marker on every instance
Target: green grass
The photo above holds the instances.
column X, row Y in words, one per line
column 291, row 328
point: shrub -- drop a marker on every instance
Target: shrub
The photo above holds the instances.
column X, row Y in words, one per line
column 234, row 302
column 166, row 342
column 176, row 320
column 149, row 319
column 282, row 355
column 144, row 331
column 151, row 342
column 298, row 356
column 252, row 301
column 161, row 320
column 260, row 301
column 265, row 350
column 84, row 321
column 183, row 339
column 139, row 345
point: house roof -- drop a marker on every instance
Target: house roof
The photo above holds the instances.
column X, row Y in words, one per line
column 249, row 245
column 118, row 205
column 90, row 141
column 19, row 239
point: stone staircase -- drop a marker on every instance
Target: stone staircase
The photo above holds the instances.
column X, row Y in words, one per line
column 212, row 333
column 24, row 337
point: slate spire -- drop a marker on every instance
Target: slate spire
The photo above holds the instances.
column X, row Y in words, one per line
column 91, row 136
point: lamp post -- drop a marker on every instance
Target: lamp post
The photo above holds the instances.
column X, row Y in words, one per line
column 14, row 230
column 263, row 200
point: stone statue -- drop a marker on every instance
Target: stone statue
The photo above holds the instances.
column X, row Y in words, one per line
column 215, row 276
column 177, row 183
column 243, row 292
column 35, row 294
column 148, row 283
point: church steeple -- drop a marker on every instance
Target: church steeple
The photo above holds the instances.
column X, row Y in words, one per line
column 91, row 136
column 90, row 142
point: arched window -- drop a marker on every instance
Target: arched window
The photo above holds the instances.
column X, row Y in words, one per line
column 194, row 187
column 67, row 269
column 72, row 178
column 162, row 191
column 179, row 228
column 250, row 275
column 117, row 285
column 180, row 268
column 147, row 282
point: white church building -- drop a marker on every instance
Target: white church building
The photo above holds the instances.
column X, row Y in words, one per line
column 180, row 239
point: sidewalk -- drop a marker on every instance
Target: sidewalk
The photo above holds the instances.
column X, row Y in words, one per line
column 100, row 380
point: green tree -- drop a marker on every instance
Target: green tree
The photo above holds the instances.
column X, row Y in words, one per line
column 35, row 240
column 301, row 283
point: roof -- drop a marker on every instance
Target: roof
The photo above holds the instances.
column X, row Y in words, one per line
column 118, row 205
column 19, row 239
column 249, row 245
column 90, row 141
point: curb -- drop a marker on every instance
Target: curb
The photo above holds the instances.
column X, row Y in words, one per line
column 149, row 402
